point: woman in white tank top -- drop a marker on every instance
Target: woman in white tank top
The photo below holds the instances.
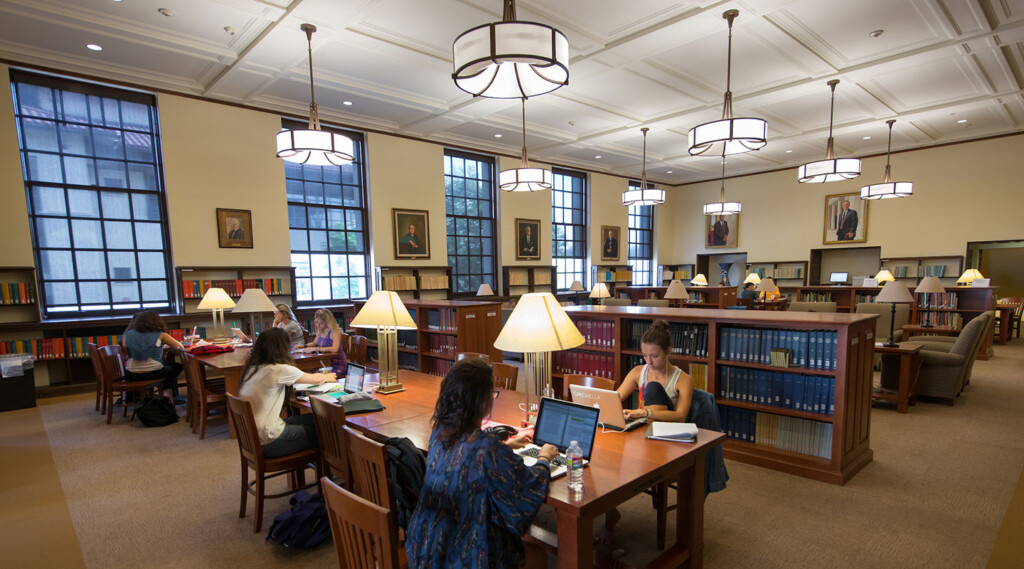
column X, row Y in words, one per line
column 665, row 391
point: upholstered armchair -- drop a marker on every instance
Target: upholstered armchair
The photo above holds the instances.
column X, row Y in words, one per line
column 812, row 307
column 945, row 343
column 943, row 373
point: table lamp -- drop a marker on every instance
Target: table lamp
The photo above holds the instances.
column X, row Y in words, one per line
column 484, row 290
column 894, row 293
column 752, row 278
column 216, row 300
column 576, row 287
column 385, row 311
column 599, row 291
column 254, row 301
column 538, row 325
column 884, row 276
column 699, row 280
column 929, row 285
column 676, row 292
column 968, row 277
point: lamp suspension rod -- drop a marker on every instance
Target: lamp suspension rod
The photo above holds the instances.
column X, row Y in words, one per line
column 643, row 171
column 509, row 11
column 525, row 160
column 830, row 153
column 721, row 196
column 888, row 154
column 729, row 15
column 314, row 116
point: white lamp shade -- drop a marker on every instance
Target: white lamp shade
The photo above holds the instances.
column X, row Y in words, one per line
column 969, row 276
column 215, row 298
column 752, row 278
column 699, row 280
column 676, row 291
column 722, row 208
column 896, row 292
column 525, row 180
column 728, row 136
column 511, row 60
column 832, row 170
column 600, row 290
column 384, row 308
column 538, row 324
column 315, row 147
column 930, row 285
column 254, row 300
column 576, row 286
column 646, row 196
column 484, row 290
column 767, row 284
column 887, row 190
column 884, row 276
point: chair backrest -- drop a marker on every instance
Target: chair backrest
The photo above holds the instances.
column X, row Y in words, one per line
column 330, row 425
column 193, row 373
column 346, row 345
column 884, row 312
column 970, row 337
column 812, row 307
column 370, row 471
column 616, row 301
column 365, row 534
column 744, row 302
column 587, row 380
column 94, row 358
column 505, row 376
column 357, row 349
column 470, row 355
column 655, row 302
column 245, row 428
column 111, row 363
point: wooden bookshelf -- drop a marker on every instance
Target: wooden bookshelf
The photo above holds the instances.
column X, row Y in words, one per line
column 787, row 275
column 417, row 282
column 711, row 296
column 858, row 261
column 912, row 270
column 671, row 272
column 845, row 297
column 635, row 293
column 18, row 295
column 958, row 306
column 613, row 333
column 521, row 279
column 193, row 282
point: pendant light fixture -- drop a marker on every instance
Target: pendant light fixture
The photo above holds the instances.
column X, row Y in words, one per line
column 314, row 147
column 524, row 178
column 887, row 189
column 722, row 207
column 643, row 195
column 729, row 135
column 511, row 59
column 830, row 169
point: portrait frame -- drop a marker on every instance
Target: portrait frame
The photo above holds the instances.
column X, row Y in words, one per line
column 228, row 222
column 401, row 219
column 525, row 251
column 617, row 235
column 733, row 236
column 833, row 209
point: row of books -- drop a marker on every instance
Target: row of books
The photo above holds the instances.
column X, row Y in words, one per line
column 408, row 361
column 811, row 393
column 234, row 287
column 442, row 345
column 935, row 270
column 668, row 275
column 863, row 297
column 17, row 293
column 77, row 347
column 542, row 277
column 697, row 297
column 585, row 363
column 60, row 348
column 442, row 319
column 816, row 297
column 434, row 366
column 902, row 271
column 814, row 349
column 518, row 279
column 938, row 300
column 792, row 434
column 687, row 339
column 789, row 273
column 597, row 333
column 433, row 282
column 407, row 339
column 954, row 319
column 615, row 276
column 398, row 282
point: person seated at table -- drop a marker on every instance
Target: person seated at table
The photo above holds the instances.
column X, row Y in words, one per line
column 748, row 292
column 478, row 497
column 267, row 372
column 285, row 318
column 144, row 340
column 328, row 339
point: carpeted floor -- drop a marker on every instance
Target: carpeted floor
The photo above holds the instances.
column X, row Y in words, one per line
column 935, row 495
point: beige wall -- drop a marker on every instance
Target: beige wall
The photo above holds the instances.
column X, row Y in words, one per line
column 606, row 209
column 522, row 205
column 17, row 249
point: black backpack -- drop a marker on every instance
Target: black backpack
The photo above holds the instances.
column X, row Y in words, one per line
column 408, row 468
column 303, row 526
column 156, row 412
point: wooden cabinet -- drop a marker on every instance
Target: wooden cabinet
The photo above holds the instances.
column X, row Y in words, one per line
column 417, row 282
column 522, row 279
column 711, row 296
column 845, row 297
column 674, row 272
column 787, row 275
column 277, row 282
column 956, row 307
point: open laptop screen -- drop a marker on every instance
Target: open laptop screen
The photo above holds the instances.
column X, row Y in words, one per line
column 354, row 378
column 560, row 422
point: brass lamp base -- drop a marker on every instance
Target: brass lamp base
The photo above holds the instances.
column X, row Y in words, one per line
column 393, row 387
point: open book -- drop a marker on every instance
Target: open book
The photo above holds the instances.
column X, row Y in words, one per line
column 681, row 432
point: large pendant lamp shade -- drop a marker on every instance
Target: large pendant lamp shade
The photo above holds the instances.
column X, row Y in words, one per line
column 511, row 59
column 831, row 169
column 313, row 146
column 722, row 207
column 730, row 135
column 524, row 178
column 887, row 189
column 643, row 195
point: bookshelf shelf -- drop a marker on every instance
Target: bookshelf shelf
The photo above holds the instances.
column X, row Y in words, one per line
column 277, row 282
column 417, row 282
column 845, row 297
column 522, row 279
column 787, row 274
column 681, row 272
column 913, row 269
column 964, row 303
column 792, row 369
column 712, row 296
column 775, row 410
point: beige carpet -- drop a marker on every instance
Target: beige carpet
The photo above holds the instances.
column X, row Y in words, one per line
column 935, row 495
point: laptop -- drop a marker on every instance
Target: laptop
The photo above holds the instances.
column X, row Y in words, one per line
column 558, row 423
column 608, row 402
column 353, row 383
column 241, row 335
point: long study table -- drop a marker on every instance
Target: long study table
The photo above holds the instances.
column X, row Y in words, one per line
column 621, row 466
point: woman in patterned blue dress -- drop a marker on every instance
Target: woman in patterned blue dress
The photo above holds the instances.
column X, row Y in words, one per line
column 478, row 497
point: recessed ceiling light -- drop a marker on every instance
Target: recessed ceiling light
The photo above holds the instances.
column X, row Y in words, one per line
column 961, row 121
column 347, row 103
column 94, row 47
column 167, row 12
column 669, row 172
column 867, row 138
column 876, row 33
column 789, row 152
column 497, row 136
column 598, row 156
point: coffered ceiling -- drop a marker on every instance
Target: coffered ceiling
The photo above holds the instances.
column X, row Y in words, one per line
column 654, row 63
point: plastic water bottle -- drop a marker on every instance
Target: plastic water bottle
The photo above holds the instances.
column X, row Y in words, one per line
column 574, row 460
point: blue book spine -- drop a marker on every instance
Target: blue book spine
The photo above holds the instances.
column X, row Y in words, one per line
column 777, row 382
column 823, row 399
column 804, row 348
column 766, row 352
column 833, row 345
column 831, row 396
column 816, row 349
column 816, row 398
column 798, row 393
column 787, row 391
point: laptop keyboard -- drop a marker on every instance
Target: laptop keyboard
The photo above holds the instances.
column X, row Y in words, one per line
column 534, row 452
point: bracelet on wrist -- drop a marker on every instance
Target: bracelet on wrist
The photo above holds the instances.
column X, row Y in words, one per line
column 650, row 413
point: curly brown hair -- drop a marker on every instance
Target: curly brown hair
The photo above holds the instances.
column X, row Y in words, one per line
column 464, row 400
column 147, row 321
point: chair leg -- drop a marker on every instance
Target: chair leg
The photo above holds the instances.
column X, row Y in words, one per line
column 660, row 498
column 257, row 522
column 245, row 490
column 201, row 419
column 110, row 406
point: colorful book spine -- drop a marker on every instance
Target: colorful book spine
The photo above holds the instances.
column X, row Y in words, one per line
column 793, row 434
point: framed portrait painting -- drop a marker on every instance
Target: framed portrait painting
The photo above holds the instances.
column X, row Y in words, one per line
column 610, row 242
column 411, row 232
column 846, row 219
column 722, row 231
column 234, row 228
column 527, row 239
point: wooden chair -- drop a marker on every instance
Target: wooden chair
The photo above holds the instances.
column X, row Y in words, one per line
column 346, row 345
column 587, row 380
column 357, row 350
column 505, row 376
column 202, row 397
column 330, row 425
column 365, row 534
column 113, row 378
column 251, row 452
column 97, row 371
column 616, row 302
column 653, row 302
column 369, row 469
column 470, row 355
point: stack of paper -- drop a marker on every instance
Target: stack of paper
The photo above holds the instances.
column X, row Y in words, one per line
column 683, row 432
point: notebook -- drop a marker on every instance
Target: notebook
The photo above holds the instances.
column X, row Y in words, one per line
column 680, row 432
column 559, row 423
column 608, row 402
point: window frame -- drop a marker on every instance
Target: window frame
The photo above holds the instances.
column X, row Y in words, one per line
column 583, row 227
column 632, row 244
column 492, row 162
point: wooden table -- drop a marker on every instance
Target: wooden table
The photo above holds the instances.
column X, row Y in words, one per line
column 1005, row 322
column 909, row 355
column 622, row 466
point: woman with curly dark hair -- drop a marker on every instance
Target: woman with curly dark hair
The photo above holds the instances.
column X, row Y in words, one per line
column 478, row 497
column 144, row 340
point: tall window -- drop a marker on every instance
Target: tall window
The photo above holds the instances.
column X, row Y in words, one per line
column 327, row 224
column 469, row 204
column 568, row 227
column 94, row 187
column 641, row 236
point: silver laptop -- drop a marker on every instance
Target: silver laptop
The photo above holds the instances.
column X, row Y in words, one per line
column 354, row 377
column 558, row 423
column 608, row 402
